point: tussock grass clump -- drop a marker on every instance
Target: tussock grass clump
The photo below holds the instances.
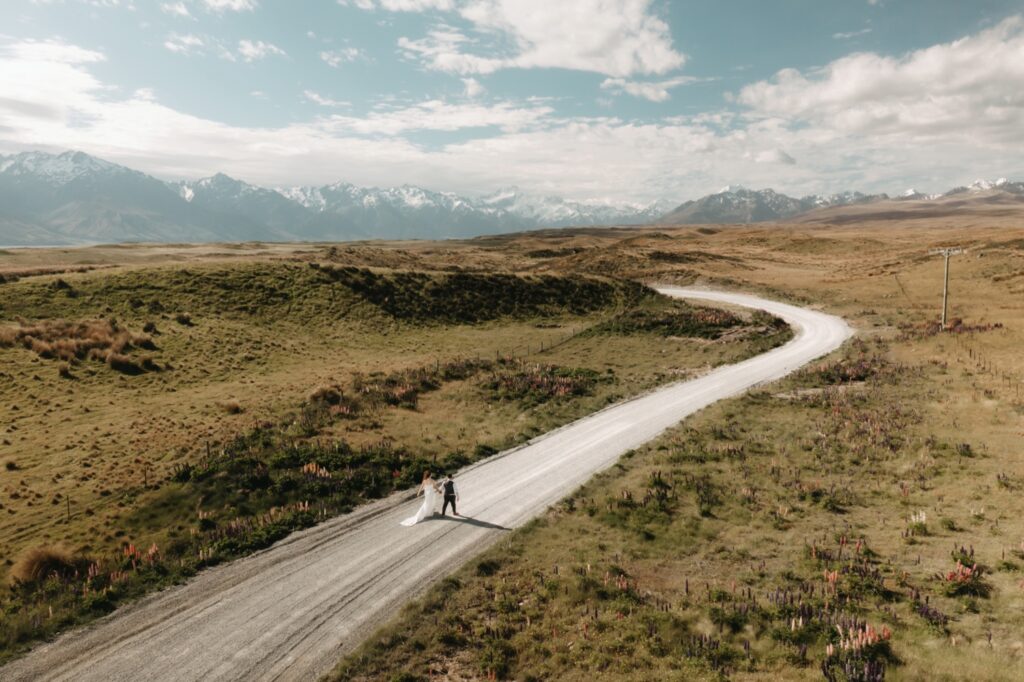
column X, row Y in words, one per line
column 102, row 340
column 331, row 394
column 37, row 564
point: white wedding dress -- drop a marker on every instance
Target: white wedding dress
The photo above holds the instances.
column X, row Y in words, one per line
column 426, row 509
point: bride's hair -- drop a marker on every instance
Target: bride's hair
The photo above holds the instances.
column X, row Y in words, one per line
column 426, row 475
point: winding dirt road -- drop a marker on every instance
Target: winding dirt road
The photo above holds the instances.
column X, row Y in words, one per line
column 291, row 611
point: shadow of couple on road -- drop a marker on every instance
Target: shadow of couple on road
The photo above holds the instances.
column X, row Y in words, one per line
column 468, row 520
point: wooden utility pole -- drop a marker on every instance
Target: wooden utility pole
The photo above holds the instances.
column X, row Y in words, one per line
column 946, row 252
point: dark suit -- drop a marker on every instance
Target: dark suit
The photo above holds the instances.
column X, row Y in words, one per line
column 450, row 496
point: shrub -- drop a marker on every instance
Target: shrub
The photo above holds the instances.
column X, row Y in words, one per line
column 331, row 394
column 37, row 564
column 488, row 567
column 536, row 384
column 682, row 320
column 122, row 363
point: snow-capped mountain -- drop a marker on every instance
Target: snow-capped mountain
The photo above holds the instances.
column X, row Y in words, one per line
column 557, row 212
column 74, row 198
column 55, row 170
column 1002, row 185
column 736, row 204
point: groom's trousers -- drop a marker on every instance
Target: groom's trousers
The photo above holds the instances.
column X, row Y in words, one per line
column 448, row 499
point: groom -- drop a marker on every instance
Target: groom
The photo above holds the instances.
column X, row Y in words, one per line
column 451, row 495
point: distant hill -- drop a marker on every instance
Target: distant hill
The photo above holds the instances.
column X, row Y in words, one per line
column 74, row 198
column 737, row 205
column 1005, row 201
column 740, row 205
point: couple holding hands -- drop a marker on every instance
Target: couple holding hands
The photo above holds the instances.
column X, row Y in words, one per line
column 431, row 489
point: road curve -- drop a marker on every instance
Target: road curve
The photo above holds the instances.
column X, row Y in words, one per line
column 291, row 611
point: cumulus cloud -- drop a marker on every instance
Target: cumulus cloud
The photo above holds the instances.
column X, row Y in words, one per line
column 221, row 6
column 400, row 5
column 655, row 91
column 51, row 97
column 341, row 56
column 473, row 88
column 252, row 50
column 441, row 115
column 95, row 3
column 774, row 156
column 617, row 38
column 187, row 43
column 317, row 98
column 178, row 9
column 970, row 89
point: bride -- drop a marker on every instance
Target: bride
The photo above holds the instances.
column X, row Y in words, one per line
column 429, row 490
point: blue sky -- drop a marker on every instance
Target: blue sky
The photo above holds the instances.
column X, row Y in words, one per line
column 606, row 100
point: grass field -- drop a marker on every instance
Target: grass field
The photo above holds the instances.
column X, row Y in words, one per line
column 161, row 417
column 732, row 547
column 809, row 530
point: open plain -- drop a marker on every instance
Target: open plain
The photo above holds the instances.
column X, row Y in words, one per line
column 849, row 489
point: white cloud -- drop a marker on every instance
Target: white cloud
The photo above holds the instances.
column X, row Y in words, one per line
column 187, row 43
column 774, row 156
column 341, row 56
column 317, row 98
column 361, row 4
column 617, row 38
column 221, row 6
column 971, row 89
column 851, row 34
column 51, row 98
column 177, row 9
column 400, row 5
column 655, row 91
column 129, row 4
column 440, row 115
column 252, row 50
column 473, row 88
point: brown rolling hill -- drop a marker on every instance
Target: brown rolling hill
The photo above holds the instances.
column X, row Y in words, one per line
column 993, row 205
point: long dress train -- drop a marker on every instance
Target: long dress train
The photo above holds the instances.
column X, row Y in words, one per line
column 426, row 509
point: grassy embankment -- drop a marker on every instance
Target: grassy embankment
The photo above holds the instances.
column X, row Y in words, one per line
column 858, row 521
column 164, row 419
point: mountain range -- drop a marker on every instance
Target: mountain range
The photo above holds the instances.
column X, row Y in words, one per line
column 74, row 198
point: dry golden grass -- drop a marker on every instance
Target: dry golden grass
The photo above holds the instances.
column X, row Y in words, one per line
column 876, row 272
column 960, row 467
column 38, row 564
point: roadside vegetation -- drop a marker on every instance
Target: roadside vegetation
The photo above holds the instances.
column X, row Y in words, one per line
column 855, row 521
column 90, row 527
column 815, row 529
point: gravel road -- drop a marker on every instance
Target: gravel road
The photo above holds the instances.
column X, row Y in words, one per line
column 291, row 611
